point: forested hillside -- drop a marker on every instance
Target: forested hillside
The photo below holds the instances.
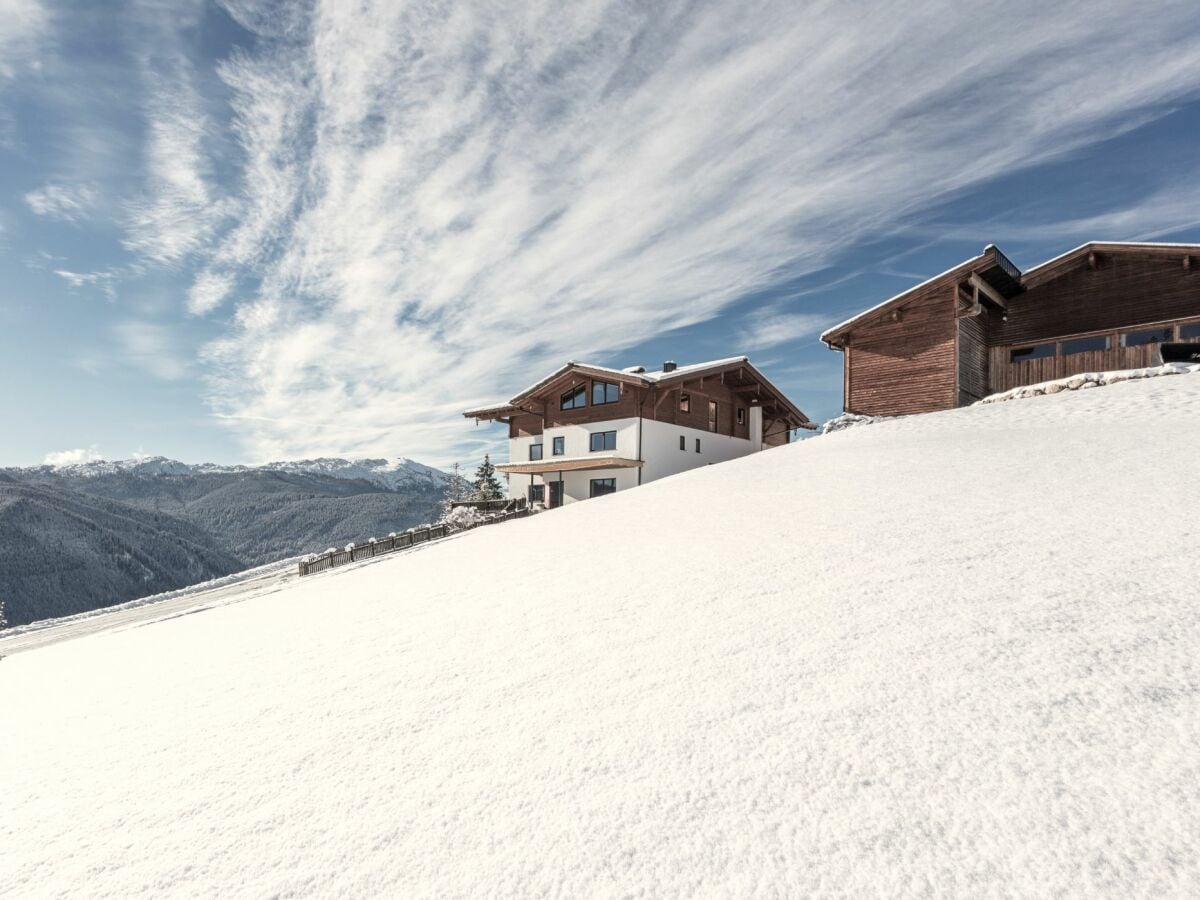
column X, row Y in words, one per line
column 80, row 537
column 62, row 552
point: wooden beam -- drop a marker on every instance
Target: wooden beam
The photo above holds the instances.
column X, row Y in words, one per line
column 982, row 287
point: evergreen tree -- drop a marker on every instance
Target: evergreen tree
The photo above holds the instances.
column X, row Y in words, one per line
column 487, row 487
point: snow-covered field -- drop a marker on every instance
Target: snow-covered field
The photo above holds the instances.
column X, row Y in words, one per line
column 952, row 654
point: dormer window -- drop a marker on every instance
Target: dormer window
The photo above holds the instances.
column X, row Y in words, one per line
column 575, row 398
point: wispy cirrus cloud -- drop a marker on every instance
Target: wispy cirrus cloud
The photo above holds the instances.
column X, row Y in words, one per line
column 153, row 348
column 182, row 205
column 25, row 23
column 441, row 199
column 65, row 202
column 772, row 326
column 208, row 291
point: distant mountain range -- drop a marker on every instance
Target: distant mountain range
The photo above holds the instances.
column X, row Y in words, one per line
column 77, row 537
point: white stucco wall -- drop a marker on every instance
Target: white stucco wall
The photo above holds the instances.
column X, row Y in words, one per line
column 659, row 449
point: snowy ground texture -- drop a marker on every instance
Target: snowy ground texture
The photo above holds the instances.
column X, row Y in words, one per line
column 1090, row 380
column 953, row 654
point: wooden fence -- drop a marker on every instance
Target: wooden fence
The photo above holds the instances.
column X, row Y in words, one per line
column 402, row 541
column 490, row 506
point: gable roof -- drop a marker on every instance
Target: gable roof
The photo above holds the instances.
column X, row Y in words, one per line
column 640, row 379
column 987, row 262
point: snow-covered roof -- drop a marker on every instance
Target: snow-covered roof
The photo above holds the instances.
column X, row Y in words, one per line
column 631, row 376
column 825, row 335
column 1090, row 245
column 1106, row 245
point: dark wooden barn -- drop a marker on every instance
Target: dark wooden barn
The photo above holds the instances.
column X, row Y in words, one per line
column 984, row 326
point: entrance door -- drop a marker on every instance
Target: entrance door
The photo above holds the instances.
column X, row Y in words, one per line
column 556, row 494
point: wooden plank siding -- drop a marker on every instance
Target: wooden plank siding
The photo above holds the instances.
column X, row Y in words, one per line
column 923, row 350
column 1004, row 374
column 661, row 405
column 904, row 365
column 1123, row 290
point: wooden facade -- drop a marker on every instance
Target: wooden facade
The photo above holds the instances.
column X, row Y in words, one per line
column 984, row 327
column 732, row 386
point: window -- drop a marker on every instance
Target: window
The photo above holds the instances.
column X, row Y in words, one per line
column 1189, row 332
column 535, row 451
column 602, row 486
column 712, row 415
column 1086, row 345
column 575, row 398
column 683, row 443
column 741, row 416
column 603, row 392
column 1025, row 354
column 559, row 447
column 697, row 445
column 685, row 402
column 1141, row 338
column 537, row 493
column 603, row 440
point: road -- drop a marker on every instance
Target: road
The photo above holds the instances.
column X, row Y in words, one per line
column 232, row 589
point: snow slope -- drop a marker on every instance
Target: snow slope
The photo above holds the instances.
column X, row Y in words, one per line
column 951, row 654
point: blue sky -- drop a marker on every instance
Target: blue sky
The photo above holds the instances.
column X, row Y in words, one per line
column 238, row 232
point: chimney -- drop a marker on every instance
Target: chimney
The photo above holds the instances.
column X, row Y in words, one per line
column 669, row 366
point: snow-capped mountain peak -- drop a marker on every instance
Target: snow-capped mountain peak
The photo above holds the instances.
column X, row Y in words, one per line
column 393, row 474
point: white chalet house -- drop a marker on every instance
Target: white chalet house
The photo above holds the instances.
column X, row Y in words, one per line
column 587, row 430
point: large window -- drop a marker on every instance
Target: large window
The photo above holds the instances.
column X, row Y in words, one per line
column 712, row 415
column 559, row 446
column 1086, row 345
column 603, row 440
column 602, row 486
column 575, row 398
column 603, row 392
column 535, row 452
column 1025, row 354
column 685, row 402
column 1189, row 332
column 537, row 493
column 1149, row 336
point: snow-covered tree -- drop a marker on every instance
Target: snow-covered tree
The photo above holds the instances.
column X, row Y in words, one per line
column 486, row 485
column 3, row 621
column 456, row 490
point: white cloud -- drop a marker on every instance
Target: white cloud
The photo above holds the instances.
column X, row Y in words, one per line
column 104, row 280
column 208, row 292
column 24, row 25
column 153, row 348
column 73, row 457
column 68, row 203
column 770, row 327
column 182, row 207
column 442, row 201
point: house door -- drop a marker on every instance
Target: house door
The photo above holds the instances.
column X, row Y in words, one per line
column 556, row 494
